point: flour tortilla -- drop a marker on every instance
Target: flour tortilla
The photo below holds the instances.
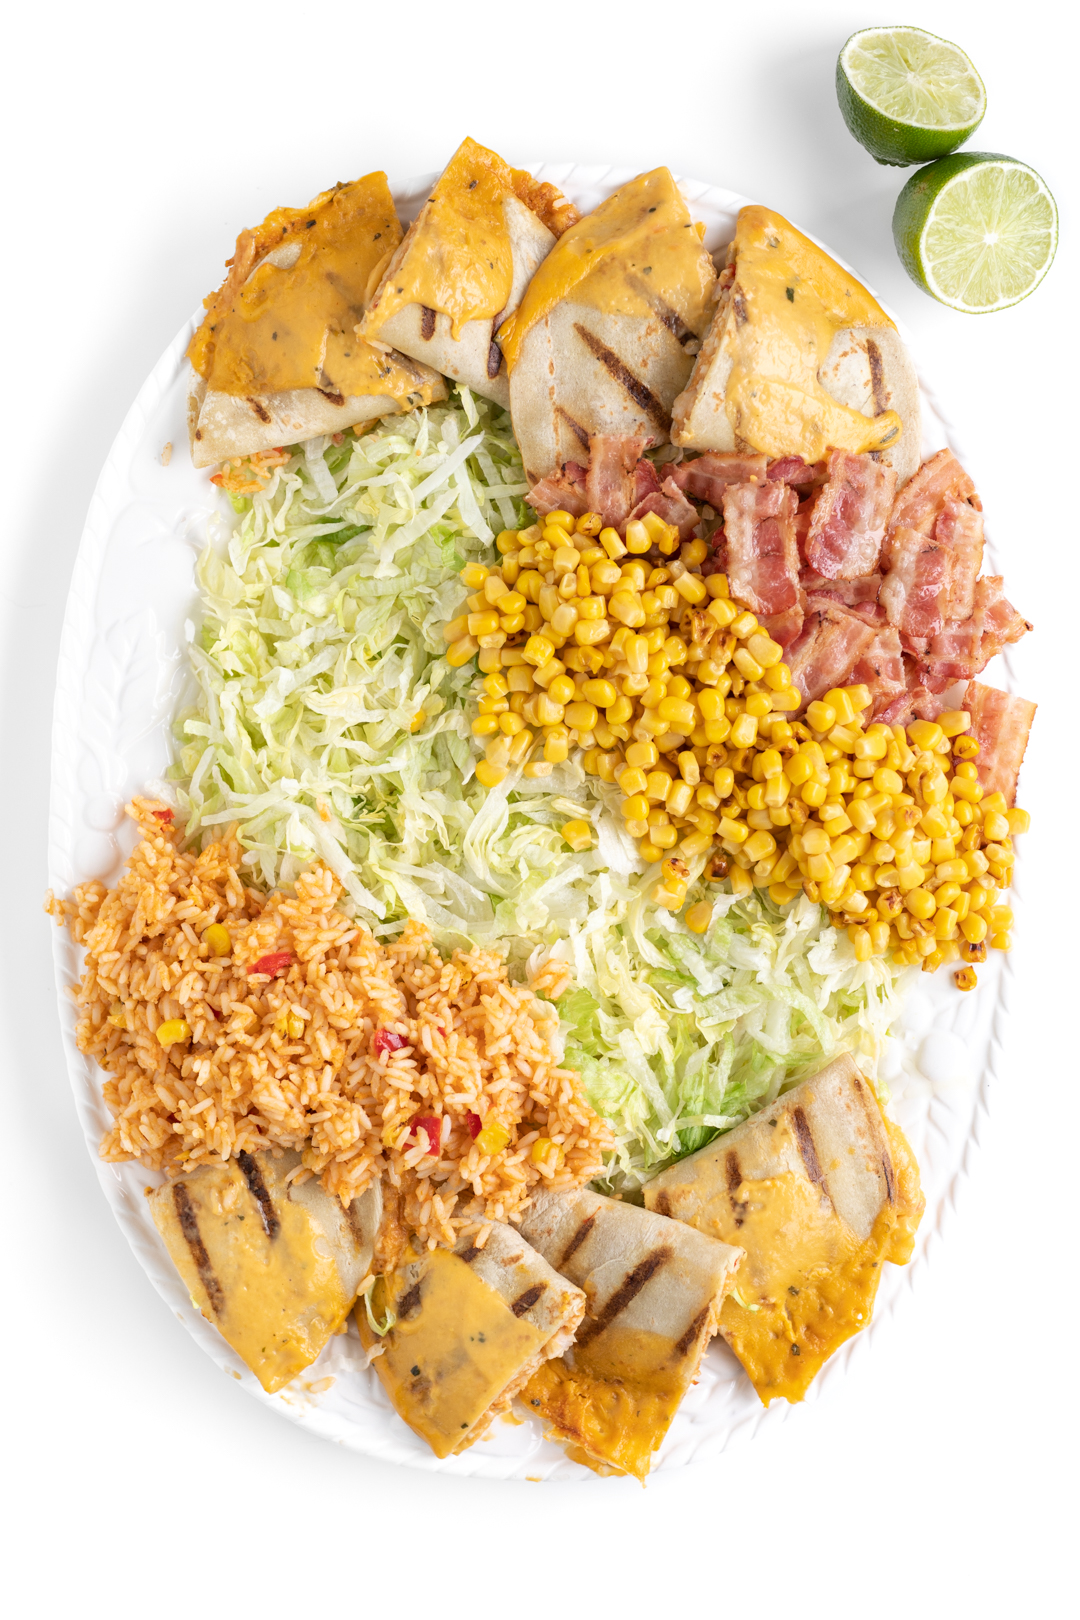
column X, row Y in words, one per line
column 224, row 427
column 449, row 1386
column 474, row 358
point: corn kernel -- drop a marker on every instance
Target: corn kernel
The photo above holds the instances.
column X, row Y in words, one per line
column 217, row 939
column 459, row 652
column 744, row 731
column 699, row 917
column 581, row 716
column 473, row 575
column 578, row 834
column 920, row 903
column 638, row 538
column 485, row 725
column 671, row 897
column 691, row 587
column 612, row 543
column 537, row 651
column 600, row 692
column 820, row 716
column 173, row 1031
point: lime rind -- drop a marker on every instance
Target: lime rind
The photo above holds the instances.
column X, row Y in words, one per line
column 906, row 95
column 977, row 231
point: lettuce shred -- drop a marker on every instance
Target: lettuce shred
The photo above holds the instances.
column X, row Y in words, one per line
column 327, row 722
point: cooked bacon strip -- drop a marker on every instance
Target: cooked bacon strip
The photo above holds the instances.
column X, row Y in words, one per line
column 959, row 528
column 963, row 649
column 561, row 492
column 669, row 503
column 923, row 496
column 881, row 669
column 859, row 596
column 706, row 477
column 850, row 514
column 645, row 480
column 784, row 627
column 609, row 487
column 915, row 590
column 794, row 470
column 831, row 643
column 762, row 557
column 1001, row 724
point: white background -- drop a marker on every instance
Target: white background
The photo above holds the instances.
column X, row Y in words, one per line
column 940, row 1479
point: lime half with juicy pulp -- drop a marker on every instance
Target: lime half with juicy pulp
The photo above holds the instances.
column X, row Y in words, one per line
column 977, row 231
column 906, row 95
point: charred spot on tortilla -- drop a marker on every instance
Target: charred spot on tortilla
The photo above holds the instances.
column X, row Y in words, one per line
column 575, row 427
column 469, row 1254
column 576, row 1241
column 528, row 1299
column 260, row 411
column 189, row 1226
column 693, row 1332
column 642, row 396
column 409, row 1303
column 627, row 1291
column 807, row 1147
column 257, row 1188
column 427, row 323
column 334, row 398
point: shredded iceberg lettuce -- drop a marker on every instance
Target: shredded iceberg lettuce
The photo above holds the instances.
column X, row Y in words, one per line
column 328, row 723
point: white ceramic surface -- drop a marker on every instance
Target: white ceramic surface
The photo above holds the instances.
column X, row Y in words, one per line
column 121, row 669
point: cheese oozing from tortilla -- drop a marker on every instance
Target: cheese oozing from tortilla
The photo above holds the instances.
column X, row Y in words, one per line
column 639, row 253
column 285, row 316
column 459, row 261
column 787, row 304
column 275, row 1295
column 451, row 1352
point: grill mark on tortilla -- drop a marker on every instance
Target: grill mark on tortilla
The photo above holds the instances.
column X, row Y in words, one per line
column 469, row 1254
column 643, row 397
column 807, row 1149
column 877, row 377
column 260, row 409
column 185, row 1214
column 576, row 428
column 352, row 1215
column 427, row 323
column 576, row 1241
column 258, row 1190
column 738, row 304
column 663, row 1203
column 890, row 1183
column 689, row 1338
column 670, row 317
column 409, row 1303
column 628, row 1291
column 332, row 395
column 528, row 1299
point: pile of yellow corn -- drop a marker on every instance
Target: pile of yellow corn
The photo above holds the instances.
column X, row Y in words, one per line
column 676, row 693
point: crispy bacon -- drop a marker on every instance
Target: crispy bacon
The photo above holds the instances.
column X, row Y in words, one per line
column 831, row 643
column 959, row 528
column 1001, row 724
column 563, row 491
column 762, row 557
column 784, row 627
column 881, row 669
column 669, row 503
column 609, row 487
column 794, row 470
column 963, row 649
column 706, row 477
column 850, row 515
column 859, row 596
column 923, row 496
column 915, row 590
column 645, row 480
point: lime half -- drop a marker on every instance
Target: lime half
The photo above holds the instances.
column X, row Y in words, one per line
column 977, row 230
column 906, row 95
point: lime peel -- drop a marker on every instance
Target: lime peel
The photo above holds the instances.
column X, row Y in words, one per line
column 906, row 95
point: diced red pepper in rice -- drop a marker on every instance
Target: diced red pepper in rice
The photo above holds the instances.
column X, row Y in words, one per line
column 271, row 965
column 475, row 1124
column 388, row 1040
column 433, row 1128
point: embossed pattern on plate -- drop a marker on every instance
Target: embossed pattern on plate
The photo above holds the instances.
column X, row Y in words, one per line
column 121, row 670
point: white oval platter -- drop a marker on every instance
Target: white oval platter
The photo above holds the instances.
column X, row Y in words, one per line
column 121, row 670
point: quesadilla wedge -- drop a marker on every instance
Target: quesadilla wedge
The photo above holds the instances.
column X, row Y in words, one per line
column 654, row 1289
column 276, row 360
column 799, row 359
column 604, row 338
column 818, row 1189
column 467, row 1329
column 463, row 267
column 275, row 1266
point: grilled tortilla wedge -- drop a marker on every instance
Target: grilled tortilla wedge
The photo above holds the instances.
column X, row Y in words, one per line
column 463, row 267
column 274, row 1266
column 604, row 338
column 468, row 1327
column 654, row 1288
column 799, row 359
column 276, row 360
column 818, row 1189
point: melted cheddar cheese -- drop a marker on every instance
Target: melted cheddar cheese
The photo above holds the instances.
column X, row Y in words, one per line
column 788, row 302
column 638, row 253
column 299, row 284
column 453, row 1351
